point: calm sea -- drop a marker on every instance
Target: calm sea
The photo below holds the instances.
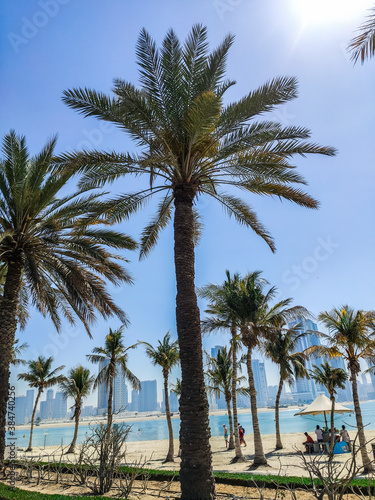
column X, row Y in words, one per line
column 157, row 429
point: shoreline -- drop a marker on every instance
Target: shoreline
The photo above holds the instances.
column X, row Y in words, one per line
column 137, row 417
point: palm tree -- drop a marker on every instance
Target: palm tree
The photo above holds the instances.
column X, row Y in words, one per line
column 192, row 144
column 50, row 252
column 40, row 376
column 331, row 379
column 220, row 377
column 112, row 360
column 16, row 351
column 352, row 337
column 363, row 45
column 282, row 351
column 259, row 322
column 223, row 317
column 166, row 355
column 77, row 385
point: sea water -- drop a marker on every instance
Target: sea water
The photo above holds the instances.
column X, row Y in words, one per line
column 146, row 430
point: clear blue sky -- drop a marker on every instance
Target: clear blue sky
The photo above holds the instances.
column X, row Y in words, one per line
column 323, row 258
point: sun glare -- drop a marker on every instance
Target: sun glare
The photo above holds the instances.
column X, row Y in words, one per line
column 322, row 11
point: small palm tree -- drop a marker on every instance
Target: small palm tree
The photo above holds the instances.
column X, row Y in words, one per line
column 176, row 388
column 113, row 358
column 40, row 376
column 166, row 355
column 222, row 316
column 363, row 45
column 16, row 351
column 331, row 379
column 191, row 144
column 77, row 385
column 51, row 255
column 220, row 377
column 352, row 337
column 282, row 351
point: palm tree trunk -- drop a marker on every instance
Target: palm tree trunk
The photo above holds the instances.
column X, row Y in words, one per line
column 332, row 443
column 237, row 446
column 231, row 443
column 110, row 409
column 30, row 447
column 197, row 481
column 170, row 456
column 8, row 326
column 279, row 444
column 358, row 416
column 77, row 414
column 259, row 457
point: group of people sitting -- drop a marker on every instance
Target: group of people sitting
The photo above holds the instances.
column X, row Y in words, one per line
column 324, row 435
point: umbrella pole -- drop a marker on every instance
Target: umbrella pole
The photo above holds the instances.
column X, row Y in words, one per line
column 325, row 419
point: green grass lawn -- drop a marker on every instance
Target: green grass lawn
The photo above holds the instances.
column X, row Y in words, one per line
column 9, row 493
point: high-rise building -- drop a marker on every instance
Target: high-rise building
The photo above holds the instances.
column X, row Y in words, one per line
column 46, row 407
column 134, row 405
column 20, row 410
column 342, row 394
column 173, row 402
column 260, row 382
column 60, row 406
column 304, row 390
column 102, row 391
column 120, row 393
column 29, row 404
column 148, row 396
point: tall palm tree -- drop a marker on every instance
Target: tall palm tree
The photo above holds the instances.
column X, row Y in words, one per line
column 17, row 350
column 77, row 385
column 281, row 349
column 222, row 316
column 50, row 250
column 192, row 144
column 166, row 355
column 331, row 379
column 259, row 322
column 220, row 376
column 113, row 359
column 352, row 337
column 363, row 45
column 40, row 376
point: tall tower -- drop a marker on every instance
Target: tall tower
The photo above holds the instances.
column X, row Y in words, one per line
column 120, row 393
column 102, row 391
column 148, row 396
column 260, row 381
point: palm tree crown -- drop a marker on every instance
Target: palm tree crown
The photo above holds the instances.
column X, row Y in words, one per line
column 77, row 384
column 115, row 358
column 330, row 378
column 40, row 374
column 166, row 354
column 363, row 45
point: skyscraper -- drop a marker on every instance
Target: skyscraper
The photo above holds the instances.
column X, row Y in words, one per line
column 120, row 393
column 46, row 407
column 134, row 405
column 29, row 404
column 148, row 396
column 60, row 406
column 102, row 391
column 260, row 381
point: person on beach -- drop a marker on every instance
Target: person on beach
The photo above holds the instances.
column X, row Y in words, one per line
column 319, row 437
column 345, row 435
column 241, row 433
column 225, row 435
column 308, row 443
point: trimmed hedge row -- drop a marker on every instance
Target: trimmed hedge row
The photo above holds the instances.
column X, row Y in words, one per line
column 233, row 479
column 9, row 493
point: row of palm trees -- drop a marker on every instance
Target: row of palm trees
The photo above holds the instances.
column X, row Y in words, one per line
column 242, row 306
column 79, row 382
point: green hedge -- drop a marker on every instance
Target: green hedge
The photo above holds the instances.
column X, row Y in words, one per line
column 9, row 493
